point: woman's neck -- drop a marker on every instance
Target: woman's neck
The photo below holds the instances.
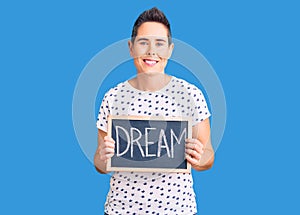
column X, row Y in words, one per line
column 150, row 81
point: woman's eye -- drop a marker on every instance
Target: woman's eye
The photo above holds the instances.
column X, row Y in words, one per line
column 160, row 44
column 143, row 43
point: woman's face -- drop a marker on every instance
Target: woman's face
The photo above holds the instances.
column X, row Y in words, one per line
column 151, row 48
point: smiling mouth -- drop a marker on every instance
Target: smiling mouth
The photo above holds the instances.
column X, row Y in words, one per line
column 150, row 62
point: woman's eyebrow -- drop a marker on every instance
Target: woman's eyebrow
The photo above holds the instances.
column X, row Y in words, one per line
column 147, row 39
column 160, row 40
column 142, row 38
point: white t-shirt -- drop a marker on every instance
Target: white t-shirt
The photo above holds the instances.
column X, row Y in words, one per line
column 152, row 193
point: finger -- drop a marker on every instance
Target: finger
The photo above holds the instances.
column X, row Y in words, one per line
column 102, row 151
column 108, row 145
column 193, row 153
column 105, row 157
column 195, row 147
column 192, row 140
column 108, row 151
column 109, row 139
column 190, row 146
column 192, row 160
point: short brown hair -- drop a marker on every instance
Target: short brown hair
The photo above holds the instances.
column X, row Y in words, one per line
column 151, row 15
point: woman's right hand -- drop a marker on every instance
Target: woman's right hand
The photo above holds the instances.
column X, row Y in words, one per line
column 106, row 148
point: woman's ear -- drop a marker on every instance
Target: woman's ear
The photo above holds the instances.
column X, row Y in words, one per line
column 170, row 51
column 130, row 46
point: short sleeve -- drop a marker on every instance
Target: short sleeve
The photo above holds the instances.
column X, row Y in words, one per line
column 103, row 114
column 199, row 106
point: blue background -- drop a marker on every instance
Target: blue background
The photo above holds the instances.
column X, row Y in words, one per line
column 253, row 47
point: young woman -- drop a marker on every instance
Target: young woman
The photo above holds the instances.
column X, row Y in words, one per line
column 154, row 93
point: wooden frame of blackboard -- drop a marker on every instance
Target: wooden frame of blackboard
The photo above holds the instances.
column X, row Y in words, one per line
column 186, row 169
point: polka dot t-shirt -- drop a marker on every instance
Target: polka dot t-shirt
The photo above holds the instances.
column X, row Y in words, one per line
column 152, row 193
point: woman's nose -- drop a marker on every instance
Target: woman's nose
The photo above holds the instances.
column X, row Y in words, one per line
column 151, row 50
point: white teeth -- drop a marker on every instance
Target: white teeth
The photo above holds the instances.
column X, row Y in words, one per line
column 151, row 62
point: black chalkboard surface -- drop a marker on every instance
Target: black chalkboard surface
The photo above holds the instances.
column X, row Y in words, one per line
column 149, row 144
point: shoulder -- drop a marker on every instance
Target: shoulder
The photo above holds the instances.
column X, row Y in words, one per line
column 185, row 84
column 114, row 91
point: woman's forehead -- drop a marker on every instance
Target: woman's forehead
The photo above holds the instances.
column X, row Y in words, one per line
column 151, row 38
column 153, row 29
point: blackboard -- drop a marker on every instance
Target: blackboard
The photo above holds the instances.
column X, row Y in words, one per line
column 149, row 144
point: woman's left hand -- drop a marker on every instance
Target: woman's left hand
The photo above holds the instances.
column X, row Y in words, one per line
column 194, row 150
